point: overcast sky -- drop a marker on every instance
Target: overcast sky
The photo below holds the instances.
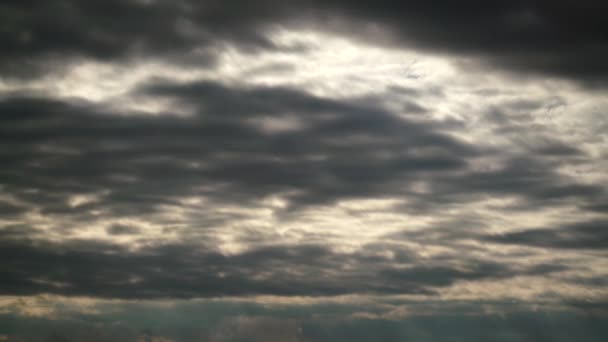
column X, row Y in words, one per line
column 330, row 170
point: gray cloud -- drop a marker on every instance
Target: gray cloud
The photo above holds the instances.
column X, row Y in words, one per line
column 63, row 149
column 591, row 235
column 121, row 229
column 340, row 149
column 566, row 40
column 97, row 269
column 549, row 38
column 124, row 30
column 54, row 150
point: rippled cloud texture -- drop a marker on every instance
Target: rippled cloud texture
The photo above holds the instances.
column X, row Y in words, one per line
column 303, row 171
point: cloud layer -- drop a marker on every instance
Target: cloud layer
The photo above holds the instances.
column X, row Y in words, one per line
column 341, row 170
column 565, row 40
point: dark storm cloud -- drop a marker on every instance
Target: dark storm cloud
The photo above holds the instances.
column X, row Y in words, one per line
column 559, row 38
column 599, row 207
column 530, row 177
column 9, row 209
column 87, row 268
column 40, row 36
column 133, row 164
column 122, row 229
column 591, row 235
column 363, row 130
column 53, row 150
column 557, row 149
column 553, row 38
column 17, row 232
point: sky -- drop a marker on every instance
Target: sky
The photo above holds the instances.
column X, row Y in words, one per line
column 303, row 170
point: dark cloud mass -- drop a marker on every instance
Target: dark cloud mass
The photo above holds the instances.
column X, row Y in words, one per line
column 585, row 235
column 558, row 38
column 186, row 271
column 56, row 150
column 303, row 170
column 62, row 149
column 555, row 37
column 41, row 35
